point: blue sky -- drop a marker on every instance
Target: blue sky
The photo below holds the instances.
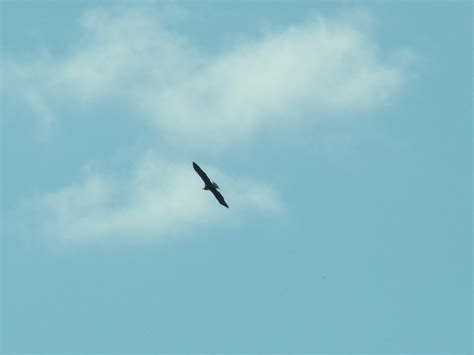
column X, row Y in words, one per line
column 339, row 132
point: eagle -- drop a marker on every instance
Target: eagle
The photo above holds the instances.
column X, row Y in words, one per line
column 210, row 185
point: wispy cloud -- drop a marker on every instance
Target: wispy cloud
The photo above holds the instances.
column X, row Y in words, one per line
column 292, row 75
column 160, row 198
column 288, row 76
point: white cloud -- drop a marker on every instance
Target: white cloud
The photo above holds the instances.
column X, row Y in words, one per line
column 290, row 76
column 159, row 199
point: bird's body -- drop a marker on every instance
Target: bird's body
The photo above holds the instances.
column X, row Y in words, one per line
column 213, row 185
column 210, row 185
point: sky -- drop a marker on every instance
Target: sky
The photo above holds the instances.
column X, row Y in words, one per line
column 340, row 134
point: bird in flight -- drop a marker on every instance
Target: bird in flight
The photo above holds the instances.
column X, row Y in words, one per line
column 210, row 185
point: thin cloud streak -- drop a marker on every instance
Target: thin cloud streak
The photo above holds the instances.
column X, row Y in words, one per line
column 161, row 198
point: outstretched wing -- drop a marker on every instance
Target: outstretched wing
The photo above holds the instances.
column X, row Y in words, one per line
column 202, row 174
column 219, row 197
